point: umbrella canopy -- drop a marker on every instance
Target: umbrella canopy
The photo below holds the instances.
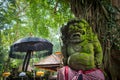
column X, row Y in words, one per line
column 28, row 45
column 31, row 43
column 51, row 62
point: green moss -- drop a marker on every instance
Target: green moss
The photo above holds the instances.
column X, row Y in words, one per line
column 85, row 53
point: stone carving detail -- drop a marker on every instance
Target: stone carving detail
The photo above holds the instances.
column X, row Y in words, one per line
column 81, row 48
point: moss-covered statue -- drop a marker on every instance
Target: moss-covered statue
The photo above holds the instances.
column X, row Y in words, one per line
column 82, row 52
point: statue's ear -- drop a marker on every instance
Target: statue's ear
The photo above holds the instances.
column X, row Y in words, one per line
column 63, row 39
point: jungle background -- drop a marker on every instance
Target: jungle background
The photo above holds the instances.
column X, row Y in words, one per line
column 43, row 18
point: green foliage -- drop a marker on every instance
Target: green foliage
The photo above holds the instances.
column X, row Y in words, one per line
column 113, row 30
column 23, row 18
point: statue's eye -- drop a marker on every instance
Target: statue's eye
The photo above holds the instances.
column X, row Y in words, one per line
column 82, row 32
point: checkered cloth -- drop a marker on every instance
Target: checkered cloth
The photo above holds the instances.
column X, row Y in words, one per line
column 66, row 73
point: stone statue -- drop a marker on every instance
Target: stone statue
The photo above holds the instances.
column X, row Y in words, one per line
column 81, row 49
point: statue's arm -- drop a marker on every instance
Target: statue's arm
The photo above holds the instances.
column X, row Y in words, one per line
column 98, row 53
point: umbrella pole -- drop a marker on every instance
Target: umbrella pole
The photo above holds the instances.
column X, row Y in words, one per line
column 26, row 61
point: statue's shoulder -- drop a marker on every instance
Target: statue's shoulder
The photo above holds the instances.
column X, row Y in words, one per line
column 93, row 38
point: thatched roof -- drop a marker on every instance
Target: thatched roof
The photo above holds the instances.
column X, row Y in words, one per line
column 51, row 62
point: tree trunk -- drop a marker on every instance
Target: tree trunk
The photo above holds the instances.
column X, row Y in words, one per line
column 98, row 16
column 116, row 3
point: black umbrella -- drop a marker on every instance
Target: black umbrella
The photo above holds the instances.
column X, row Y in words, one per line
column 29, row 45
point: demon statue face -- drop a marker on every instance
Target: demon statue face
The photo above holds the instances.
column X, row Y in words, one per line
column 81, row 48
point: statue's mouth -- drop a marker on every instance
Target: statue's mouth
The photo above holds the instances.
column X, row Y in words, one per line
column 75, row 37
